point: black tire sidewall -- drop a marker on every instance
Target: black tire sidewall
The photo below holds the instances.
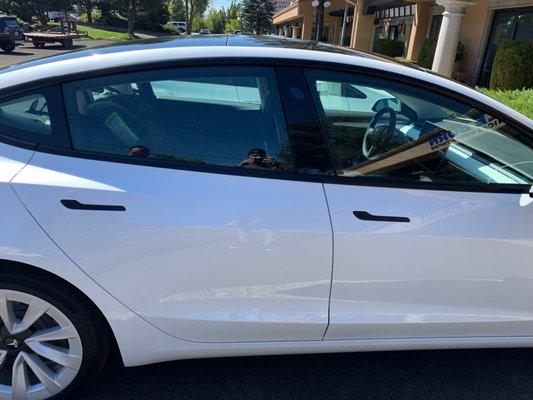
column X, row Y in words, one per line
column 95, row 345
column 8, row 47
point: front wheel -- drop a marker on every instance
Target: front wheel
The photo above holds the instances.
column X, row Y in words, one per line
column 8, row 47
column 51, row 339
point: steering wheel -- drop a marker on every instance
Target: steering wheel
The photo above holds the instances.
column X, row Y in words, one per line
column 376, row 135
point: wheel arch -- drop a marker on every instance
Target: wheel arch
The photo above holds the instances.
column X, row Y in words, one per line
column 7, row 265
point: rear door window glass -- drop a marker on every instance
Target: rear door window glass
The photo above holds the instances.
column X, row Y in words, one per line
column 219, row 116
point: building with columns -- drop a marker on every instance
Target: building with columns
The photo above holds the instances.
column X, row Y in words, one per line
column 480, row 25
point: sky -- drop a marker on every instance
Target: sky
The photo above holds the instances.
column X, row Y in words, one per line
column 219, row 3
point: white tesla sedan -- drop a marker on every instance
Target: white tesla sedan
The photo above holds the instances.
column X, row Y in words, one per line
column 226, row 196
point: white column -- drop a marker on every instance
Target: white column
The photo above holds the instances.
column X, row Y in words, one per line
column 452, row 17
column 296, row 32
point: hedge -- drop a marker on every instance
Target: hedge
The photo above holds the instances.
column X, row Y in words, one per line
column 389, row 47
column 520, row 100
column 513, row 66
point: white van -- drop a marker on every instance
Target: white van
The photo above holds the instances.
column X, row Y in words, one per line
column 179, row 25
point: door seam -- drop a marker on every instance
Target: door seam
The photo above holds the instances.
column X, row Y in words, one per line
column 332, row 260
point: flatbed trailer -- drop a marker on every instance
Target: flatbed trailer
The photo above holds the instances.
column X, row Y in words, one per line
column 39, row 39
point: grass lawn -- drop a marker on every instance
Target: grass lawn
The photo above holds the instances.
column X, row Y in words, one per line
column 95, row 33
column 520, row 100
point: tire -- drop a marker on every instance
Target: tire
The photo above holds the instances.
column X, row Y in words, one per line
column 67, row 43
column 38, row 45
column 90, row 339
column 8, row 47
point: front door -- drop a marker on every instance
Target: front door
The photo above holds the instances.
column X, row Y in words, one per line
column 182, row 202
column 431, row 210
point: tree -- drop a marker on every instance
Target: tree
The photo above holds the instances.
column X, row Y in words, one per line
column 233, row 25
column 105, row 7
column 177, row 10
column 151, row 13
column 233, row 18
column 198, row 23
column 25, row 9
column 216, row 20
column 194, row 8
column 257, row 15
column 132, row 14
column 87, row 6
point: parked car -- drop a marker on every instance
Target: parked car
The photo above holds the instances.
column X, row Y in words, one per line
column 185, row 202
column 204, row 31
column 11, row 34
column 181, row 26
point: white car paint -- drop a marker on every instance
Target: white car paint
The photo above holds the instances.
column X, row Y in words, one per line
column 204, row 257
column 388, row 293
column 23, row 240
column 458, row 269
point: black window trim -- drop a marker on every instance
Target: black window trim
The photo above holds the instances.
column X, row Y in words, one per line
column 58, row 135
column 354, row 181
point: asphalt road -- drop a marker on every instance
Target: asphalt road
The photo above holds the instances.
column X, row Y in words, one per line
column 459, row 374
column 27, row 52
column 472, row 374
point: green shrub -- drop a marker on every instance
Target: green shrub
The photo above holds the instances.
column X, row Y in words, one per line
column 513, row 66
column 389, row 47
column 427, row 53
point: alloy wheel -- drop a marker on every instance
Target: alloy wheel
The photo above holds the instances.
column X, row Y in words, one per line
column 40, row 349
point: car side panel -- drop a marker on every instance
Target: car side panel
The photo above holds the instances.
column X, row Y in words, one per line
column 461, row 266
column 22, row 240
column 204, row 257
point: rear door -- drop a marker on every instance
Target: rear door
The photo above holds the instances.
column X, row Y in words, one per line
column 432, row 215
column 180, row 197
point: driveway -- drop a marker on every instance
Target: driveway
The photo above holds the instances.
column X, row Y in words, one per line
column 459, row 374
column 28, row 52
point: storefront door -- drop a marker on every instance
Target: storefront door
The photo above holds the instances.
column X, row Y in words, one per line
column 506, row 24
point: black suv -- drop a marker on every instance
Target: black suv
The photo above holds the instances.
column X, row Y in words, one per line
column 11, row 33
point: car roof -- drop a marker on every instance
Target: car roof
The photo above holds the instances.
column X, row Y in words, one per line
column 220, row 47
column 229, row 40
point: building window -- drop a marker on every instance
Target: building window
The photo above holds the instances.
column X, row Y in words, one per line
column 403, row 11
column 434, row 29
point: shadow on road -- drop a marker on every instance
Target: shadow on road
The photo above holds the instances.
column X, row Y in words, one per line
column 58, row 47
column 16, row 53
column 480, row 374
